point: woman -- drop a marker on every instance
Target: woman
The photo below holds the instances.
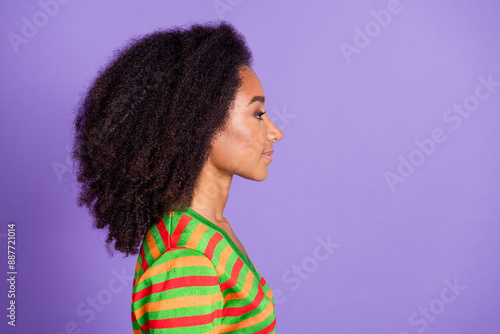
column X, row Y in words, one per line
column 159, row 135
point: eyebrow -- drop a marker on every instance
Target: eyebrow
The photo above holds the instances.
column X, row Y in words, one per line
column 257, row 98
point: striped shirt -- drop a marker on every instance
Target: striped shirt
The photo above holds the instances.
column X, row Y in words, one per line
column 190, row 277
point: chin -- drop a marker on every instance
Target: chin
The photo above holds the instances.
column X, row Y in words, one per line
column 262, row 176
column 256, row 176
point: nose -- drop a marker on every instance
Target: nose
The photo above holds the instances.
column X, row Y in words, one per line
column 273, row 131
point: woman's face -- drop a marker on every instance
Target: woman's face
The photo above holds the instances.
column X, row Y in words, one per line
column 243, row 147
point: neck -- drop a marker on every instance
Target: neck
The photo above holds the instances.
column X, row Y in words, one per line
column 211, row 193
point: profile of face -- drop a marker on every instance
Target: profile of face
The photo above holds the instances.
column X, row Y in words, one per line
column 244, row 145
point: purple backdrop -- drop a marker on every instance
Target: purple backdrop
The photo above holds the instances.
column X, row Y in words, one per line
column 378, row 213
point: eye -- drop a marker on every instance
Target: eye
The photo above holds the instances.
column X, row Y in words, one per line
column 259, row 115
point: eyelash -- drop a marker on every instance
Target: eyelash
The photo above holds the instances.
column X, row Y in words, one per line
column 260, row 115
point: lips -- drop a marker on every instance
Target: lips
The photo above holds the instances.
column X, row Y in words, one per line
column 268, row 152
column 267, row 155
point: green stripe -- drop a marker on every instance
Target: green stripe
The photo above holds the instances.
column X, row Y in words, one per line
column 186, row 311
column 158, row 239
column 244, row 302
column 205, row 239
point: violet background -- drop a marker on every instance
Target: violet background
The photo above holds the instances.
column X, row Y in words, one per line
column 345, row 124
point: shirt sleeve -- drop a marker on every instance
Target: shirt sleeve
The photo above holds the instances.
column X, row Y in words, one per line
column 179, row 293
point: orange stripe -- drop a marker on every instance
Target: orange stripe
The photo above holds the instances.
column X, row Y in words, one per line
column 269, row 294
column 178, row 302
column 186, row 261
column 245, row 290
column 215, row 330
column 195, row 237
column 153, row 249
column 224, row 256
column 137, row 331
column 136, row 276
column 250, row 321
column 137, row 267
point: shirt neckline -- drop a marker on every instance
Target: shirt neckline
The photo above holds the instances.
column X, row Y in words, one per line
column 232, row 244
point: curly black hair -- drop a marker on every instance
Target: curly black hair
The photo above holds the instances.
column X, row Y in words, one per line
column 143, row 129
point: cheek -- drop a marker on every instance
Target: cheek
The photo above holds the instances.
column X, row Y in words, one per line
column 240, row 145
column 244, row 139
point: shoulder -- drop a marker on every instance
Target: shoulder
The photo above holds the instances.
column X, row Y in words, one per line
column 181, row 287
column 178, row 261
column 182, row 257
column 176, row 268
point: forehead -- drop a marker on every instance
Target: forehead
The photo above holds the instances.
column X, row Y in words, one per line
column 250, row 85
